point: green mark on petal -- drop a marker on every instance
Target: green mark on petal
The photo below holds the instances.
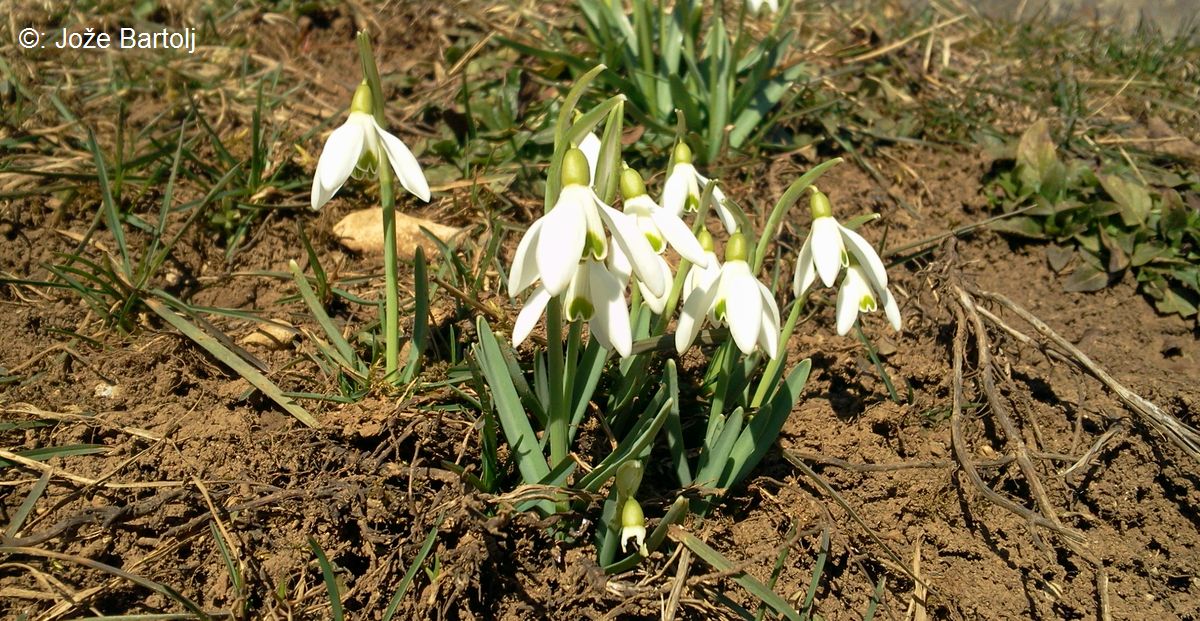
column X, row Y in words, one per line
column 596, row 245
column 580, row 309
column 657, row 243
column 719, row 311
column 867, row 304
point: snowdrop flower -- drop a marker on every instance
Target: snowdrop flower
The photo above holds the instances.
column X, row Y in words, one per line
column 830, row 247
column 633, row 526
column 594, row 295
column 735, row 298
column 660, row 226
column 354, row 148
column 685, row 186
column 756, row 5
column 573, row 230
column 857, row 296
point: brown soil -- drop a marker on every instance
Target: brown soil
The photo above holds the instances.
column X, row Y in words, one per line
column 192, row 456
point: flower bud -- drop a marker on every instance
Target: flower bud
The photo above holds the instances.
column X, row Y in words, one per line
column 629, row 478
column 633, row 526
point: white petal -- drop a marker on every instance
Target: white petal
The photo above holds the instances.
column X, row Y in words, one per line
column 657, row 302
column 867, row 258
column 691, row 318
column 611, row 318
column 891, row 309
column 718, row 198
column 524, row 266
column 679, row 236
column 590, row 145
column 529, row 315
column 768, row 334
column 618, row 264
column 408, row 171
column 560, row 244
column 806, row 272
column 636, row 248
column 675, row 191
column 337, row 161
column 854, row 287
column 827, row 249
column 743, row 304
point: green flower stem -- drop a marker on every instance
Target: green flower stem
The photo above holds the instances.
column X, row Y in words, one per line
column 387, row 197
column 558, row 418
column 789, row 326
column 883, row 374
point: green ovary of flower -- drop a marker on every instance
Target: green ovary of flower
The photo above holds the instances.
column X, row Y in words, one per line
column 575, row 170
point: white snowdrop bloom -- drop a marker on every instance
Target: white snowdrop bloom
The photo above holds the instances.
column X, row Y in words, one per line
column 685, row 186
column 660, row 226
column 831, row 247
column 737, row 299
column 858, row 296
column 756, row 5
column 355, row 147
column 575, row 229
column 594, row 295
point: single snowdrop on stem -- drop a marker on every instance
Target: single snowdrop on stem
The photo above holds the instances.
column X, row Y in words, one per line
column 756, row 5
column 355, row 149
column 831, row 247
column 685, row 186
column 735, row 298
column 574, row 230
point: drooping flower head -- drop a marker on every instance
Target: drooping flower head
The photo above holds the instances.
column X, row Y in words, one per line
column 575, row 229
column 355, row 148
column 660, row 226
column 831, row 247
column 734, row 298
column 685, row 186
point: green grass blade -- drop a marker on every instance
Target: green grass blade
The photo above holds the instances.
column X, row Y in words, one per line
column 50, row 452
column 818, row 571
column 344, row 350
column 14, row 526
column 420, row 329
column 417, row 561
column 235, row 574
column 720, row 563
column 111, row 213
column 233, row 361
column 331, row 583
column 523, row 442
